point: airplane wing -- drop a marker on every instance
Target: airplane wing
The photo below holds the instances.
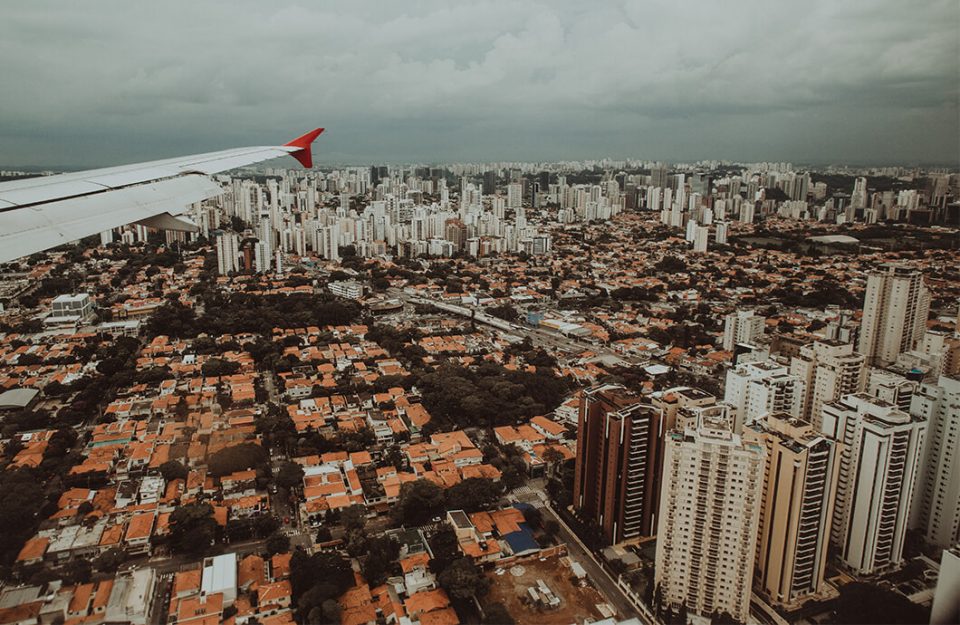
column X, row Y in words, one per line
column 39, row 213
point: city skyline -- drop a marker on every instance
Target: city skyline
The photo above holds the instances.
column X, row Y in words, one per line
column 485, row 81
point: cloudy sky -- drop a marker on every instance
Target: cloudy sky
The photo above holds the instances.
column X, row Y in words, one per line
column 104, row 82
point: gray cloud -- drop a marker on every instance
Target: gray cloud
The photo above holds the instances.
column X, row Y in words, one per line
column 103, row 82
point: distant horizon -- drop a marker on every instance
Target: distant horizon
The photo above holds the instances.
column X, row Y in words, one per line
column 320, row 163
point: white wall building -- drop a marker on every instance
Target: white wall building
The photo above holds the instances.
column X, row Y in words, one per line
column 878, row 471
column 827, row 370
column 895, row 308
column 710, row 504
column 742, row 326
column 761, row 388
column 936, row 502
column 228, row 252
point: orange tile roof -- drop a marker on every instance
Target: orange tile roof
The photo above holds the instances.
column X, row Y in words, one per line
column 426, row 601
column 141, row 526
column 187, row 582
column 34, row 548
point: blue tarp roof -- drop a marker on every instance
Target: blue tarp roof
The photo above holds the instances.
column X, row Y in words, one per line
column 522, row 540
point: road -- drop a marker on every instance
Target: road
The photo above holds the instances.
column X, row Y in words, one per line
column 538, row 336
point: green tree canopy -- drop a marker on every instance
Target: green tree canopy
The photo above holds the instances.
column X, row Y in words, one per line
column 420, row 501
column 237, row 458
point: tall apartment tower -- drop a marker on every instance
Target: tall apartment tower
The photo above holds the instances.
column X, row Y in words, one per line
column 895, row 310
column 709, row 515
column 936, row 502
column 802, row 468
column 879, row 465
column 742, row 326
column 828, row 370
column 617, row 476
column 761, row 388
column 228, row 250
column 514, row 195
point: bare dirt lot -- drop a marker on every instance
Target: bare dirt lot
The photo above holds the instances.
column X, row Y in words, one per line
column 577, row 604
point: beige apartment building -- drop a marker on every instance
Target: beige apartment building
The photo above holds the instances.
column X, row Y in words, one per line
column 802, row 468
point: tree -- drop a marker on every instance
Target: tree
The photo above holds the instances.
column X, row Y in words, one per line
column 861, row 602
column 496, row 614
column 237, row 458
column 419, row 501
column 445, row 548
column 722, row 618
column 463, row 580
column 504, row 311
column 473, row 494
column 533, row 517
column 192, row 528
column 278, row 542
column 316, row 580
column 21, row 511
column 173, row 470
column 354, row 517
column 382, row 553
column 110, row 560
column 289, row 475
column 552, row 457
column 216, row 367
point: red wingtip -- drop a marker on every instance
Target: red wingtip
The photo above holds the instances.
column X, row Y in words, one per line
column 303, row 142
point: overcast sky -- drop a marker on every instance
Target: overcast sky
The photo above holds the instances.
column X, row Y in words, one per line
column 98, row 83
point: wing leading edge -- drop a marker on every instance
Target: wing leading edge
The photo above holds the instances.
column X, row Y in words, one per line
column 39, row 213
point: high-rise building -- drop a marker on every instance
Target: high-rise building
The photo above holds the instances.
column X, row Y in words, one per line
column 827, row 370
column 760, row 388
column 895, row 308
column 858, row 199
column 879, row 464
column 672, row 401
column 455, row 231
column 710, row 505
column 514, row 195
column 720, row 233
column 891, row 387
column 659, row 177
column 936, row 502
column 742, row 326
column 802, row 468
column 700, row 239
column 617, row 475
column 228, row 250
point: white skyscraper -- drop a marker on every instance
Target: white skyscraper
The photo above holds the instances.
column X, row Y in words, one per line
column 878, row 472
column 710, row 502
column 261, row 257
column 328, row 242
column 936, row 503
column 827, row 370
column 228, row 250
column 701, row 239
column 720, row 234
column 742, row 326
column 757, row 389
column 514, row 195
column 895, row 308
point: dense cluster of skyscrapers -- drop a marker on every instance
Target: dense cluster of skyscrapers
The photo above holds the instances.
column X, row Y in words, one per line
column 829, row 442
column 410, row 213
